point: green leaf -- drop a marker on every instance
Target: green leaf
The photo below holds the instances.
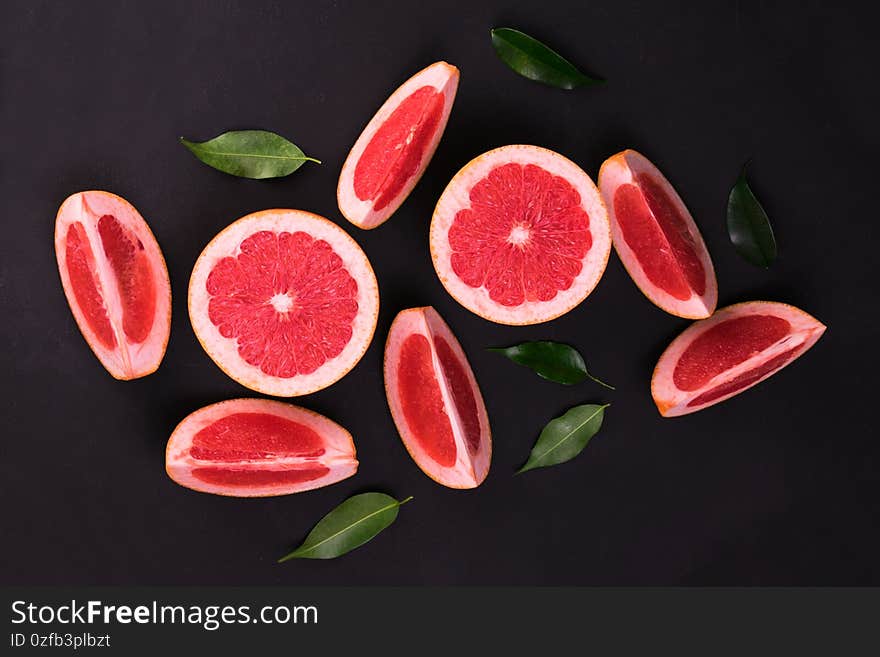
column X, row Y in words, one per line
column 535, row 61
column 551, row 360
column 566, row 436
column 748, row 225
column 351, row 524
column 250, row 154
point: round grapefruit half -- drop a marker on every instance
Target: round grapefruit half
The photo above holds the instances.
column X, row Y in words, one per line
column 394, row 149
column 284, row 301
column 520, row 235
column 258, row 448
column 115, row 281
column 738, row 347
column 656, row 237
column 435, row 400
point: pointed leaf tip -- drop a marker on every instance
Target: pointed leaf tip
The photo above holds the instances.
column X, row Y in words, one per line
column 566, row 436
column 748, row 225
column 351, row 524
column 256, row 154
column 534, row 60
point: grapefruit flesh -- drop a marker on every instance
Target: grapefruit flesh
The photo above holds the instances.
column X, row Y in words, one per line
column 284, row 301
column 520, row 235
column 435, row 400
column 738, row 347
column 258, row 447
column 656, row 237
column 115, row 281
column 394, row 149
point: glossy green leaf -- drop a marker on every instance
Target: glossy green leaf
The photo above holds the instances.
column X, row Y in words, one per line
column 748, row 225
column 551, row 360
column 566, row 436
column 250, row 154
column 535, row 61
column 351, row 524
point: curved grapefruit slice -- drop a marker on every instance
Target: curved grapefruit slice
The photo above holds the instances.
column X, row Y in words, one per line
column 257, row 448
column 520, row 235
column 115, row 281
column 738, row 347
column 394, row 149
column 284, row 301
column 656, row 237
column 435, row 400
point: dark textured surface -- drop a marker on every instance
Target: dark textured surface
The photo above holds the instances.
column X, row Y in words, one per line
column 777, row 486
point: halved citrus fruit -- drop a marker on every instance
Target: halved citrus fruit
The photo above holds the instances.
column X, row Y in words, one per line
column 115, row 280
column 257, row 448
column 284, row 301
column 435, row 400
column 738, row 347
column 656, row 237
column 394, row 149
column 520, row 235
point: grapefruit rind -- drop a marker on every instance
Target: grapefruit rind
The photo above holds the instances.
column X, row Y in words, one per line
column 620, row 169
column 672, row 402
column 456, row 197
column 133, row 360
column 444, row 78
column 469, row 470
column 339, row 456
column 224, row 351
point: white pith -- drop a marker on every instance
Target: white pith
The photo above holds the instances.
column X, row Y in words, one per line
column 456, row 197
column 339, row 448
column 805, row 330
column 127, row 360
column 444, row 78
column 224, row 351
column 621, row 169
column 469, row 469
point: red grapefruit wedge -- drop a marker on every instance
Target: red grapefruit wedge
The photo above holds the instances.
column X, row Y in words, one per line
column 115, row 280
column 520, row 235
column 738, row 347
column 284, row 301
column 257, row 448
column 394, row 149
column 435, row 400
column 656, row 237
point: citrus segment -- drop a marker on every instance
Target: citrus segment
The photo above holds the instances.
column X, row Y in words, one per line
column 258, row 447
column 435, row 401
column 736, row 348
column 396, row 146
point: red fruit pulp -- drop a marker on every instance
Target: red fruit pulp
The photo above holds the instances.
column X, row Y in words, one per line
column 287, row 298
column 422, row 402
column 394, row 153
column 242, row 477
column 523, row 237
column 243, row 436
column 746, row 378
column 726, row 345
column 86, row 286
column 462, row 393
column 134, row 280
column 655, row 230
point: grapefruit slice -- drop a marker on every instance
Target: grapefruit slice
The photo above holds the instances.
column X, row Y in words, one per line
column 257, row 448
column 115, row 281
column 394, row 149
column 738, row 347
column 435, row 400
column 656, row 237
column 520, row 235
column 284, row 301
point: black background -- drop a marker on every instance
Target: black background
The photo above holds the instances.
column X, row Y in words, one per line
column 776, row 486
